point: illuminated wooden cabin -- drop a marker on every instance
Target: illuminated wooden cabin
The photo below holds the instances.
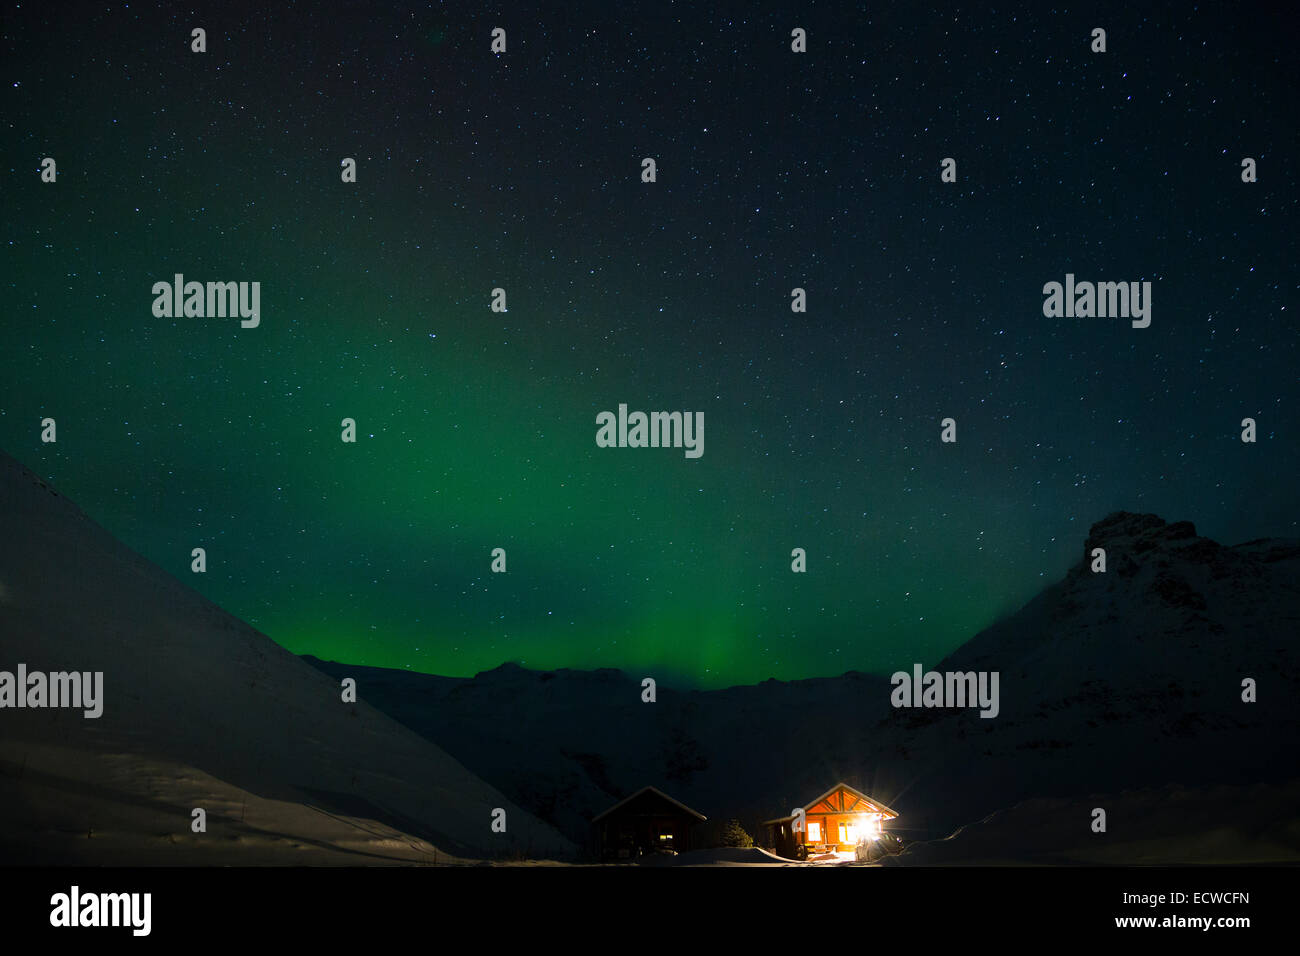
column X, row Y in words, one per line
column 649, row 821
column 838, row 821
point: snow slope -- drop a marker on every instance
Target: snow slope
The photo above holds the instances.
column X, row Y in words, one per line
column 202, row 711
column 1229, row 825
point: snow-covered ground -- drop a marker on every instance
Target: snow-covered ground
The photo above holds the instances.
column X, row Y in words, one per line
column 77, row 806
column 1168, row 826
column 719, row 856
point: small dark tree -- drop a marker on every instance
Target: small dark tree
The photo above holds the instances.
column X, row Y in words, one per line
column 733, row 834
column 682, row 756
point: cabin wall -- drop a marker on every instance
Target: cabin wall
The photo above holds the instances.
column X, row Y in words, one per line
column 827, row 830
column 625, row 836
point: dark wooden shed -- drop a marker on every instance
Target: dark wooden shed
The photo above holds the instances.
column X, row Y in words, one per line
column 649, row 821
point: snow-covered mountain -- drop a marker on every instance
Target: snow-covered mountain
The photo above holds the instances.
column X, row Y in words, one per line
column 1131, row 678
column 1127, row 679
column 202, row 711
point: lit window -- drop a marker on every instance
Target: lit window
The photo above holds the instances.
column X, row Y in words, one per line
column 665, row 836
column 848, row 833
column 814, row 832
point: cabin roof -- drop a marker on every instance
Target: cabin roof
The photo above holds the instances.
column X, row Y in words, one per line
column 658, row 793
column 880, row 807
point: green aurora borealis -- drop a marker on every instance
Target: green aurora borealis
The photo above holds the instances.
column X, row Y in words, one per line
column 477, row 429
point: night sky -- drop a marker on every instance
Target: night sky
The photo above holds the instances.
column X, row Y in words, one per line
column 776, row 170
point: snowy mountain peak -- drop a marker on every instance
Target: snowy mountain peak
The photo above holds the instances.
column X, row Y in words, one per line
column 1146, row 531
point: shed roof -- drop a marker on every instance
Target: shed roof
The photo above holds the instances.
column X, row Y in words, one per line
column 657, row 792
